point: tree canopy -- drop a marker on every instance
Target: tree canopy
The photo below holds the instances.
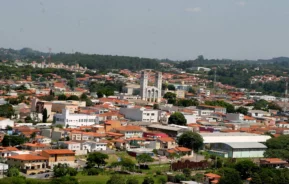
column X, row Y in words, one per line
column 144, row 158
column 191, row 140
column 177, row 118
column 230, row 108
column 96, row 158
column 277, row 147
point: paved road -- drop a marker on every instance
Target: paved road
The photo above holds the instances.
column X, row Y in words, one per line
column 38, row 176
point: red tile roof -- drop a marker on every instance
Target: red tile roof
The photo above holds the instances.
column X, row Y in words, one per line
column 27, row 157
column 58, row 151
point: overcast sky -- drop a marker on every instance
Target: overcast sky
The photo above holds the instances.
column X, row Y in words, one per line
column 174, row 29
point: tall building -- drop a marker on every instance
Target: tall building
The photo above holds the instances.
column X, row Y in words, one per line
column 151, row 93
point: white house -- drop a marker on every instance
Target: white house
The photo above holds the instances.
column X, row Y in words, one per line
column 259, row 113
column 74, row 120
column 4, row 122
column 43, row 140
column 92, row 146
column 140, row 114
column 74, row 146
column 268, row 98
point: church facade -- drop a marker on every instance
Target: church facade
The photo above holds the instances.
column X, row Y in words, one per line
column 151, row 93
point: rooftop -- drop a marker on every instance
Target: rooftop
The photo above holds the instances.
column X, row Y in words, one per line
column 27, row 157
column 58, row 151
column 237, row 145
column 228, row 134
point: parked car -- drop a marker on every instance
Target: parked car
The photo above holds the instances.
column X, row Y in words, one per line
column 32, row 173
column 46, row 175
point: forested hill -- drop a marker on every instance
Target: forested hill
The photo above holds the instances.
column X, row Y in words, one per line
column 201, row 61
column 91, row 61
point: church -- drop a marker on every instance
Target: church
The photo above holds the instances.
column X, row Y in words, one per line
column 151, row 93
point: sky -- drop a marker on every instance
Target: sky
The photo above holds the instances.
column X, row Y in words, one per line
column 173, row 29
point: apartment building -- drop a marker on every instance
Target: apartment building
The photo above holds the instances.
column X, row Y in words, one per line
column 74, row 120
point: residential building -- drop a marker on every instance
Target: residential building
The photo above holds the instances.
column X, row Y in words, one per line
column 92, row 146
column 140, row 114
column 74, row 120
column 36, row 146
column 165, row 143
column 56, row 156
column 129, row 131
column 214, row 108
column 28, row 163
column 4, row 122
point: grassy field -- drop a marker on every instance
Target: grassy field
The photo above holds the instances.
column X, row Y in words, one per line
column 113, row 157
column 102, row 179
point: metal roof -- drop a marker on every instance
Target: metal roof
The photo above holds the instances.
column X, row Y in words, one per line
column 245, row 145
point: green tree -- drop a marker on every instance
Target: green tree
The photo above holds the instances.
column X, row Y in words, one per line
column 144, row 158
column 64, row 180
column 72, row 171
column 60, row 170
column 187, row 172
column 277, row 147
column 229, row 107
column 229, row 176
column 12, row 172
column 62, row 97
column 33, row 135
column 171, row 97
column 261, row 105
column 177, row 118
column 162, row 180
column 242, row 110
column 44, row 115
column 148, row 180
column 100, row 94
column 156, row 106
column 191, row 140
column 73, row 97
column 13, row 140
column 88, row 102
column 9, row 127
column 255, row 179
column 96, row 158
column 28, row 119
column 191, row 90
column 116, row 179
column 6, row 110
column 171, row 87
column 274, row 106
column 126, row 163
column 245, row 168
column 132, row 180
column 83, row 96
column 179, row 178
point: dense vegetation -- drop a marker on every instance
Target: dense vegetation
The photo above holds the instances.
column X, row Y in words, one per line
column 91, row 61
column 278, row 147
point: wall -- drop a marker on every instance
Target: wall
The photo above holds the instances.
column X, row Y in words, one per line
column 248, row 154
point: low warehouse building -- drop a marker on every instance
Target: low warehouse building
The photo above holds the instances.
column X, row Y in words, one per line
column 238, row 150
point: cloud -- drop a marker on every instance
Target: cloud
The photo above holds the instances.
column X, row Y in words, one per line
column 194, row 10
column 241, row 3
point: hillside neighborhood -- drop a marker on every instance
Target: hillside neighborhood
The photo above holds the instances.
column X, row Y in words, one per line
column 157, row 118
